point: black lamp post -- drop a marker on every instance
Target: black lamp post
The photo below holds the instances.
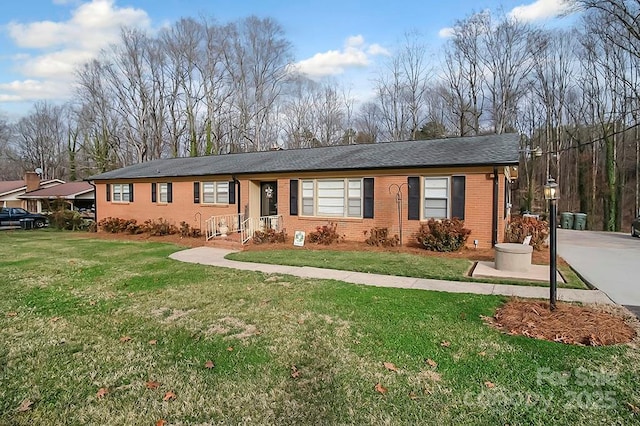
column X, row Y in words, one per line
column 551, row 195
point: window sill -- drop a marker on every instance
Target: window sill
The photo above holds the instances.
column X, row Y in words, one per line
column 120, row 203
column 215, row 205
column 332, row 218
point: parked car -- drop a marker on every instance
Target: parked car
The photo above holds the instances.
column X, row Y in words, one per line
column 635, row 227
column 10, row 216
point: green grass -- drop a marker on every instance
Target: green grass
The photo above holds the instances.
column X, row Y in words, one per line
column 389, row 263
column 68, row 301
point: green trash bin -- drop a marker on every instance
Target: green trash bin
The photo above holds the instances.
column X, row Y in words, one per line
column 580, row 221
column 566, row 220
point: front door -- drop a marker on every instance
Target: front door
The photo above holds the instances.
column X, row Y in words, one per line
column 268, row 198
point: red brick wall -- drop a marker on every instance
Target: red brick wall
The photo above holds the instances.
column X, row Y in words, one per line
column 478, row 204
column 181, row 209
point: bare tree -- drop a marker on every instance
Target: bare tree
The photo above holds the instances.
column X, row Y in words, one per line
column 40, row 141
column 9, row 169
column 401, row 87
column 463, row 74
column 256, row 58
column 368, row 123
column 509, row 47
column 97, row 118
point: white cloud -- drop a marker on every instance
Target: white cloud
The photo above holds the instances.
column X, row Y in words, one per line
column 541, row 9
column 355, row 54
column 29, row 90
column 56, row 48
column 376, row 49
column 446, row 32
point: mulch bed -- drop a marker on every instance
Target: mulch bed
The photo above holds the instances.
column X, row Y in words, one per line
column 570, row 324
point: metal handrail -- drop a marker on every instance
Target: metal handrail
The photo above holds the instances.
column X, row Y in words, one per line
column 262, row 223
column 215, row 225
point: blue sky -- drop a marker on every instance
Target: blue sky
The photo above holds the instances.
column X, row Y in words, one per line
column 41, row 41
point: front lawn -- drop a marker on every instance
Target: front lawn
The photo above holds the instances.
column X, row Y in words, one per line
column 106, row 332
column 389, row 263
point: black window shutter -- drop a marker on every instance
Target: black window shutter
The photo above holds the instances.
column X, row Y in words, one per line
column 169, row 192
column 154, row 193
column 131, row 192
column 108, row 192
column 293, row 197
column 196, row 192
column 368, row 198
column 232, row 192
column 457, row 196
column 414, row 198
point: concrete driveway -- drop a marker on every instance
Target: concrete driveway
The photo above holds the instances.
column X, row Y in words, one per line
column 607, row 260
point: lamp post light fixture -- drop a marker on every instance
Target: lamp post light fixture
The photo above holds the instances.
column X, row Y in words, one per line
column 551, row 195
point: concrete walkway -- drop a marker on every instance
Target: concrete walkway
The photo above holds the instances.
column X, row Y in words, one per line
column 215, row 257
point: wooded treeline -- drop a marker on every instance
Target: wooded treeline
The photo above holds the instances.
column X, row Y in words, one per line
column 204, row 88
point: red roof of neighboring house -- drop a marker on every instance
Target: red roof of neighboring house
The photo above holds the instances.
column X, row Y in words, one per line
column 11, row 185
column 64, row 190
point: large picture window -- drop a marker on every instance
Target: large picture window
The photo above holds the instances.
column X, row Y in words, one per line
column 436, row 197
column 121, row 192
column 215, row 192
column 332, row 197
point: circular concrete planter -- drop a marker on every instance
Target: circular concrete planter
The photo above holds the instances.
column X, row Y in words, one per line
column 513, row 257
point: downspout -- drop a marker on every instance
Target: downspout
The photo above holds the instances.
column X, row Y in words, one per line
column 494, row 222
column 237, row 184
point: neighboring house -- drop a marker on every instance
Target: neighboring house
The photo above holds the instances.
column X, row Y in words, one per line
column 354, row 186
column 12, row 191
column 79, row 196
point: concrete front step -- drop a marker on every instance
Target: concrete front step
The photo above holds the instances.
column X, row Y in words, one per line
column 232, row 242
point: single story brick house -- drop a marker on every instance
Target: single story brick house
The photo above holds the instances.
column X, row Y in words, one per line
column 354, row 186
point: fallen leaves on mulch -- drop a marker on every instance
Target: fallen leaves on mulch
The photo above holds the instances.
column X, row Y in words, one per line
column 570, row 324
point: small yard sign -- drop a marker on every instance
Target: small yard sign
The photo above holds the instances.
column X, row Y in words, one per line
column 298, row 239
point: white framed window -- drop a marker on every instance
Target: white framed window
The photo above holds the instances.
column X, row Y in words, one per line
column 332, row 197
column 215, row 192
column 163, row 190
column 436, row 198
column 120, row 192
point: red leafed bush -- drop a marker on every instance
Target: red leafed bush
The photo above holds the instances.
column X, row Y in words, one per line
column 520, row 227
column 326, row 234
column 270, row 236
column 114, row 225
column 443, row 235
column 188, row 231
column 380, row 237
column 159, row 227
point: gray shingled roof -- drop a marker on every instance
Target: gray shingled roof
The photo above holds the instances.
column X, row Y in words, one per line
column 499, row 150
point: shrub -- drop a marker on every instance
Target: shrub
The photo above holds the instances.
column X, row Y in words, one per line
column 115, row 225
column 270, row 236
column 380, row 237
column 133, row 228
column 443, row 235
column 187, row 231
column 92, row 226
column 159, row 227
column 326, row 234
column 519, row 227
column 67, row 219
